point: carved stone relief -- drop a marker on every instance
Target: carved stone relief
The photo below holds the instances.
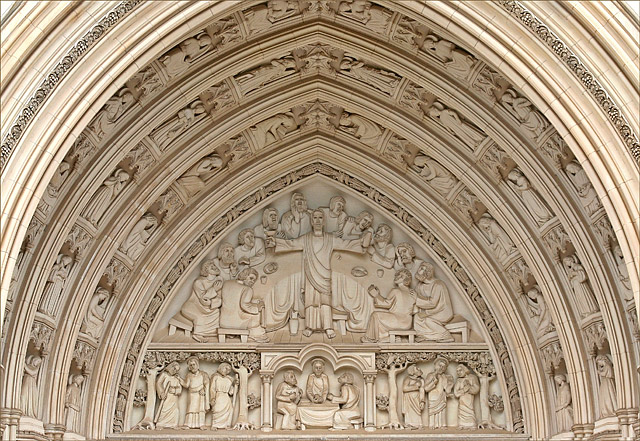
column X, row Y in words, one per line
column 51, row 296
column 171, row 129
column 585, row 299
column 134, row 244
column 583, row 186
column 104, row 196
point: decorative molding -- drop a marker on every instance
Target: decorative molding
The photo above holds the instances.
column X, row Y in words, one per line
column 582, row 73
column 58, row 73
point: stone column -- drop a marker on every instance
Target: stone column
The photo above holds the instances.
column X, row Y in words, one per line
column 485, row 412
column 369, row 403
column 9, row 420
column 55, row 431
column 266, row 378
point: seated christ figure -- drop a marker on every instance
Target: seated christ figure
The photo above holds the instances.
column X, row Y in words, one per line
column 317, row 248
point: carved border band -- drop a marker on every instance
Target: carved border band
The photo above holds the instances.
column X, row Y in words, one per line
column 276, row 186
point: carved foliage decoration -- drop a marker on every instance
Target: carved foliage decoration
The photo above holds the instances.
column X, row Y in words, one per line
column 552, row 356
column 84, row 356
column 40, row 335
column 193, row 254
column 595, row 335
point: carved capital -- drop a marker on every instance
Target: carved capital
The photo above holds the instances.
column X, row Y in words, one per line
column 41, row 334
column 595, row 335
column 84, row 356
column 266, row 378
column 552, row 356
column 369, row 378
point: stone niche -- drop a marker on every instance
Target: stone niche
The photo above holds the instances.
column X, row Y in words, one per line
column 318, row 311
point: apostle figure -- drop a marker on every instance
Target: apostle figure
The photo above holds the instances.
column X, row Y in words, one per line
column 269, row 226
column 96, row 314
column 103, row 196
column 433, row 305
column 288, row 395
column 317, row 383
column 226, row 261
column 169, row 389
column 466, row 388
column 438, row 385
column 406, row 258
column 585, row 299
column 203, row 306
column 349, row 399
column 357, row 227
column 297, row 222
column 317, row 248
column 221, row 388
column 251, row 249
column 239, row 310
column 539, row 311
column 72, row 403
column 413, row 398
column 55, row 284
column 396, row 309
column 197, row 383
column 564, row 409
column 382, row 250
column 335, row 216
column 29, row 393
column 607, row 400
column 137, row 239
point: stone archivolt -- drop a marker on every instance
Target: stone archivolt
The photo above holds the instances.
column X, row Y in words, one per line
column 447, row 123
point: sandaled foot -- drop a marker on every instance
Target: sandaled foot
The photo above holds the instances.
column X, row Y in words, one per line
column 307, row 332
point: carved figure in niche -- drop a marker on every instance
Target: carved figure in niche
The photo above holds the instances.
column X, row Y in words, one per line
column 193, row 180
column 413, row 398
column 273, row 129
column 585, row 299
column 171, row 129
column 607, row 400
column 380, row 79
column 583, row 186
column 58, row 179
column 365, row 130
column 441, row 179
column 178, row 59
column 538, row 309
column 168, row 388
column 317, row 248
column 296, row 222
column 564, row 408
column 530, row 198
column 239, row 310
column 335, row 216
column 357, row 227
column 222, row 387
column 251, row 251
column 72, row 403
column 134, row 244
column 500, row 242
column 104, row 195
column 396, row 312
column 433, row 305
column 258, row 77
column 110, row 112
column 203, row 306
column 226, row 261
column 526, row 114
column 455, row 60
column 317, row 388
column 623, row 274
column 96, row 313
column 349, row 399
column 270, row 226
column 465, row 390
column 374, row 17
column 55, row 284
column 406, row 258
column 382, row 250
column 450, row 120
column 288, row 396
column 29, row 393
column 197, row 383
column 438, row 385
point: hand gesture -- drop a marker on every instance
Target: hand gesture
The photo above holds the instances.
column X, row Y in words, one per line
column 373, row 291
column 422, row 405
column 217, row 285
column 243, row 261
column 270, row 242
column 329, row 396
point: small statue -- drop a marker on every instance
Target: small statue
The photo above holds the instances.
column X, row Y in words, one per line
column 466, row 388
column 197, row 383
column 349, row 399
column 169, row 388
column 413, row 398
column 317, row 383
column 288, row 396
column 222, row 387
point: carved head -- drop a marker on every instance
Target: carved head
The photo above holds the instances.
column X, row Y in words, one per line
column 248, row 276
column 270, row 219
column 533, row 293
column 172, row 368
column 209, row 268
column 440, row 365
column 317, row 220
column 346, row 378
column 290, row 377
column 383, row 233
column 568, row 262
column 193, row 364
column 224, row 369
column 604, row 366
column 76, row 379
column 247, row 238
column 573, row 168
column 364, row 220
column 226, row 253
column 425, row 272
column 402, row 277
column 406, row 252
column 151, row 220
column 298, row 203
column 462, row 371
column 317, row 366
column 559, row 379
column 414, row 371
column 336, row 204
column 122, row 176
column 34, row 360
